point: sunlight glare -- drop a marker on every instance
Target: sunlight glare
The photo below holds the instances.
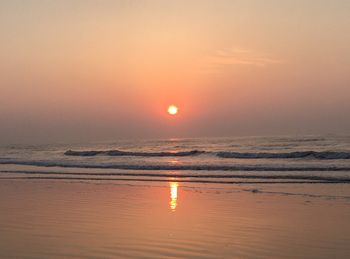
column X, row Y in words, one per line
column 173, row 196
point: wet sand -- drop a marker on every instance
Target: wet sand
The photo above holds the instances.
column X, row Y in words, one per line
column 77, row 219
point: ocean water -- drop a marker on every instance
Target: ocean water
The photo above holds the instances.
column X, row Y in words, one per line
column 286, row 159
column 251, row 197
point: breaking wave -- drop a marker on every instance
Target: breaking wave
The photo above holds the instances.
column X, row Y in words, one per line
column 186, row 175
column 166, row 167
column 322, row 155
column 129, row 153
column 289, row 155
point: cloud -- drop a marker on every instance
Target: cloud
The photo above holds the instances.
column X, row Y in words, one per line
column 236, row 56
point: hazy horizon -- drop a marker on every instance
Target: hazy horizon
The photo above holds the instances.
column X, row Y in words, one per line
column 103, row 70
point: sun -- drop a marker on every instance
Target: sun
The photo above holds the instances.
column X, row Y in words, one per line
column 173, row 110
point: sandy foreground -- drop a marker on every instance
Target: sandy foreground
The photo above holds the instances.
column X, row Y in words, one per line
column 96, row 219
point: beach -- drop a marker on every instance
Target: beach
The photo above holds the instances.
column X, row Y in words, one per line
column 77, row 219
column 252, row 197
column 174, row 129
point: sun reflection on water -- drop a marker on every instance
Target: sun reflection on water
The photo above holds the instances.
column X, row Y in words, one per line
column 174, row 161
column 173, row 195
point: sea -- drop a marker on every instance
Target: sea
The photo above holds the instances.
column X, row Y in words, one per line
column 241, row 197
column 235, row 160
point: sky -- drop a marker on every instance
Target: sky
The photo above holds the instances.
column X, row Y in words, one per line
column 89, row 70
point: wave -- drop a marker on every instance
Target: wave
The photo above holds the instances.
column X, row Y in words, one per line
column 166, row 180
column 322, row 155
column 302, row 139
column 129, row 153
column 288, row 155
column 166, row 167
column 165, row 175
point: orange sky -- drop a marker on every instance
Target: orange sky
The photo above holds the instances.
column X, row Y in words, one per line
column 97, row 70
